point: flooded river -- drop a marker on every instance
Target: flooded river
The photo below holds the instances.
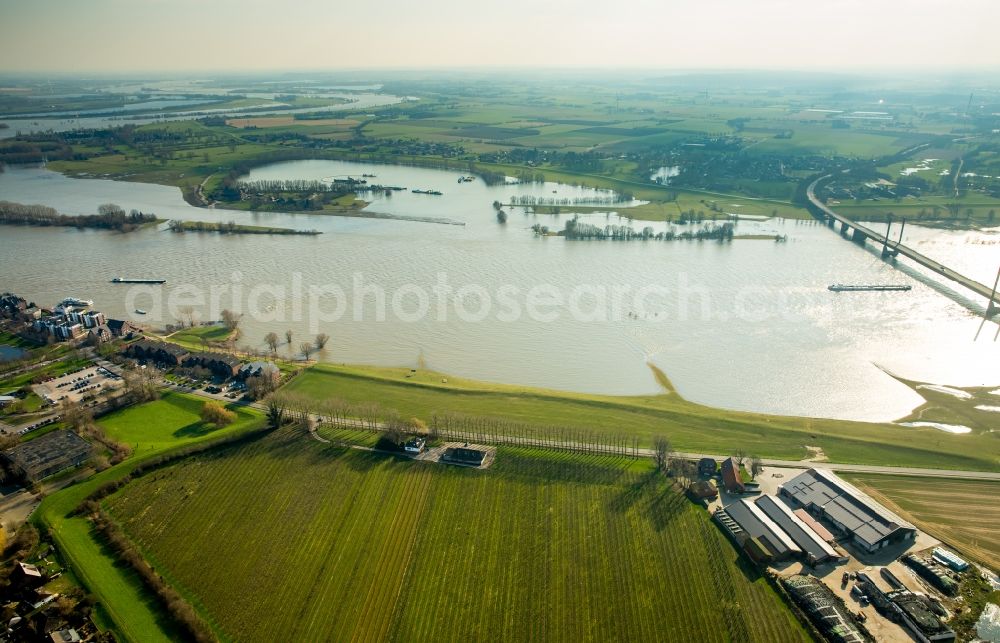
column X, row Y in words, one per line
column 747, row 325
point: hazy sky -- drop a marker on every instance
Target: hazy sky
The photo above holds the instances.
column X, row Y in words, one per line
column 164, row 35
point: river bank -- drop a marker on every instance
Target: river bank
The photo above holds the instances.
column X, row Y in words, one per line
column 748, row 326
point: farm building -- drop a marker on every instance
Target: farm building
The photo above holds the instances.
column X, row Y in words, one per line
column 813, row 547
column 707, row 467
column 869, row 525
column 948, row 559
column 49, row 454
column 757, row 525
column 703, row 490
column 462, row 455
column 820, row 530
column 731, row 477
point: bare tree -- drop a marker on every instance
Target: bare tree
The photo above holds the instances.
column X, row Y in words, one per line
column 685, row 471
column 288, row 336
column 271, row 339
column 276, row 409
column 260, row 386
column 740, row 457
column 395, row 429
column 661, row 452
column 231, row 319
column 186, row 315
column 306, row 349
column 756, row 466
column 321, row 341
column 141, row 383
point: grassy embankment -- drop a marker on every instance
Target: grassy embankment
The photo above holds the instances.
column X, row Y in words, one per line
column 691, row 427
column 964, row 514
column 310, row 541
column 157, row 427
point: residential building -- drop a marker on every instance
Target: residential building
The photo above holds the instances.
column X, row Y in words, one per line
column 732, row 479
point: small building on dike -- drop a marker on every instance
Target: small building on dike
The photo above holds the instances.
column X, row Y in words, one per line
column 464, row 456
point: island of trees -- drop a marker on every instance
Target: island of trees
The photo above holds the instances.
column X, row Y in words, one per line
column 576, row 229
column 109, row 217
column 231, row 227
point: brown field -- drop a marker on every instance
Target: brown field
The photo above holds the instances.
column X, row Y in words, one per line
column 964, row 514
column 287, row 121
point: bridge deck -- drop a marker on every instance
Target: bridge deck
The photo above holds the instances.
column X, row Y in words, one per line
column 906, row 251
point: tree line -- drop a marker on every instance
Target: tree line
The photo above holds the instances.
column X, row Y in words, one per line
column 371, row 416
column 231, row 227
column 576, row 229
column 264, row 186
column 109, row 217
column 530, row 200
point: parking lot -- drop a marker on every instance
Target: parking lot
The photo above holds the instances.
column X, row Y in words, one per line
column 78, row 385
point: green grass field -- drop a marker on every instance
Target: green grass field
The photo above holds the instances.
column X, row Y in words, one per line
column 124, row 604
column 690, row 427
column 173, row 420
column 197, row 337
column 289, row 539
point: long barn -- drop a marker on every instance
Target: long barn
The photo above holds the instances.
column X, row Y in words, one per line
column 869, row 525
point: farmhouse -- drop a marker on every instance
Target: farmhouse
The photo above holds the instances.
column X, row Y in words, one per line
column 731, row 477
column 464, row 456
column 706, row 467
column 49, row 454
column 869, row 525
column 414, row 445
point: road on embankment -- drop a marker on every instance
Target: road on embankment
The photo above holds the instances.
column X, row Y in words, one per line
column 648, row 453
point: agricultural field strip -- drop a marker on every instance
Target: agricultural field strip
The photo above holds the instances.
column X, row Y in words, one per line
column 405, row 547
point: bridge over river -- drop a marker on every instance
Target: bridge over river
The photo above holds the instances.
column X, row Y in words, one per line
column 890, row 248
